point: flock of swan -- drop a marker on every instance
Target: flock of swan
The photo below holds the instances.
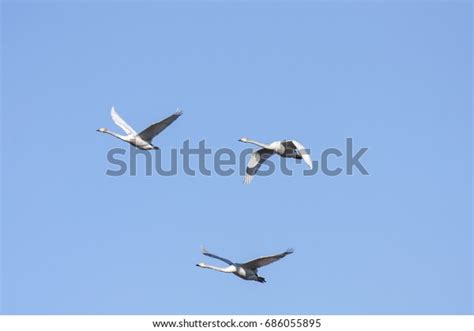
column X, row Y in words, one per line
column 283, row 148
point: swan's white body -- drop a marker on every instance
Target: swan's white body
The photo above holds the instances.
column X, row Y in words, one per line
column 248, row 270
column 284, row 148
column 143, row 139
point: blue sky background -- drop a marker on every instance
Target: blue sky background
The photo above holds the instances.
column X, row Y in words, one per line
column 396, row 77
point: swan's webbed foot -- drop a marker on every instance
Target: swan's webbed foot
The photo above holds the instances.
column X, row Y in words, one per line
column 261, row 279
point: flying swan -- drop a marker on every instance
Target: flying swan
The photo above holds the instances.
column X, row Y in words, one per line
column 284, row 148
column 248, row 270
column 143, row 139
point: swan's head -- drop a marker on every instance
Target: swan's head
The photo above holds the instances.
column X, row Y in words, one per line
column 102, row 130
column 244, row 140
column 200, row 265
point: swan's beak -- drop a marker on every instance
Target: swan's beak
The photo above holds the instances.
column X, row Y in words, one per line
column 197, row 265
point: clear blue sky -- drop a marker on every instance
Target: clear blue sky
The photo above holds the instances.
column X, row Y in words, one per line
column 396, row 77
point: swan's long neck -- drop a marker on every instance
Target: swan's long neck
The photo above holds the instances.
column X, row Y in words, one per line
column 116, row 135
column 258, row 143
column 226, row 270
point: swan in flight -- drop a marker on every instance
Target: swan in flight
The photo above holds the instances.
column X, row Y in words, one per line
column 284, row 148
column 248, row 270
column 143, row 139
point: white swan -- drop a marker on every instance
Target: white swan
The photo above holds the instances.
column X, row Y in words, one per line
column 143, row 139
column 248, row 270
column 284, row 148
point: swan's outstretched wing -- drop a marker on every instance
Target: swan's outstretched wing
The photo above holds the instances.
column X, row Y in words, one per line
column 205, row 252
column 256, row 160
column 153, row 130
column 121, row 123
column 265, row 260
column 303, row 152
